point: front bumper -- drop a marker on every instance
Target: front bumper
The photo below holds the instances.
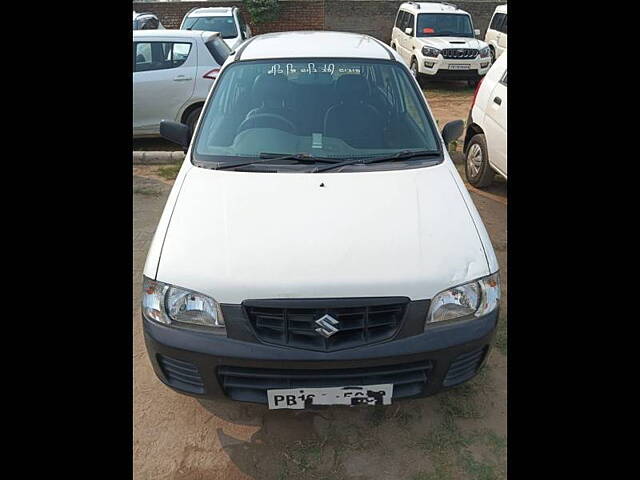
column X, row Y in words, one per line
column 446, row 68
column 205, row 365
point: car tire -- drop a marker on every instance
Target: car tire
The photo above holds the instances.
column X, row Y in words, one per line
column 416, row 72
column 493, row 54
column 192, row 118
column 476, row 165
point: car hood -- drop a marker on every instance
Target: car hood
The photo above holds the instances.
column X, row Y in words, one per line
column 238, row 235
column 452, row 42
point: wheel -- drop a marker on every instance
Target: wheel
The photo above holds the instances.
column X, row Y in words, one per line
column 192, row 119
column 477, row 169
column 493, row 54
column 415, row 72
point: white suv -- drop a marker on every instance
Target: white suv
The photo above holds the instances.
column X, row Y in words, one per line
column 496, row 35
column 173, row 71
column 437, row 40
column 228, row 21
column 485, row 142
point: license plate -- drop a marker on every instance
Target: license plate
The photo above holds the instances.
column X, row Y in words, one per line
column 299, row 398
column 458, row 67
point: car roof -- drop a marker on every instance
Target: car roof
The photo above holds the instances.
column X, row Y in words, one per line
column 174, row 34
column 143, row 14
column 211, row 12
column 501, row 8
column 431, row 7
column 313, row 44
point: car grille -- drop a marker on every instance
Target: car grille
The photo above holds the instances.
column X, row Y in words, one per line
column 181, row 375
column 464, row 367
column 293, row 323
column 251, row 384
column 459, row 53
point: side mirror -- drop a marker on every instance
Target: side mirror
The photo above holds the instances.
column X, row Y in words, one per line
column 452, row 131
column 175, row 132
column 408, row 31
column 477, row 32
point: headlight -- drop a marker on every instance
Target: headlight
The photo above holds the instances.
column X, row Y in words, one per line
column 168, row 304
column 475, row 298
column 430, row 52
column 485, row 52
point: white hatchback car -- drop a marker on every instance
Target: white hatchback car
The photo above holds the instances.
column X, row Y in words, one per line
column 485, row 143
column 228, row 21
column 318, row 245
column 437, row 40
column 496, row 35
column 173, row 71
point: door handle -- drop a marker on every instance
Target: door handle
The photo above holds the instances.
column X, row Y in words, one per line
column 497, row 100
column 182, row 78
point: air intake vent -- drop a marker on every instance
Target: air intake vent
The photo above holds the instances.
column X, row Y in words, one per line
column 464, row 367
column 251, row 384
column 181, row 375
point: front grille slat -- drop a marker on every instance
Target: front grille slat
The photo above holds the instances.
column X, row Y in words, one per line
column 460, row 53
column 251, row 384
column 293, row 324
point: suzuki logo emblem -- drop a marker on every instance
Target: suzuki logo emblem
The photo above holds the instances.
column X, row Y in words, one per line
column 327, row 328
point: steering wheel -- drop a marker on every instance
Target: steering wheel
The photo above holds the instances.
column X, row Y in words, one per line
column 267, row 118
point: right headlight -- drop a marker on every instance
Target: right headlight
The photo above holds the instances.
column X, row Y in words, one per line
column 476, row 298
column 430, row 52
column 171, row 305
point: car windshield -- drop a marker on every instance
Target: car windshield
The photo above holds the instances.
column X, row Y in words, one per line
column 225, row 25
column 331, row 109
column 444, row 25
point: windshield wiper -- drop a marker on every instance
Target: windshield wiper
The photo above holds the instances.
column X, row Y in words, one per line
column 403, row 155
column 269, row 157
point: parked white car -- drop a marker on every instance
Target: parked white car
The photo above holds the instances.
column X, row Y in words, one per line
column 146, row 21
column 173, row 71
column 318, row 245
column 437, row 41
column 228, row 21
column 496, row 36
column 485, row 143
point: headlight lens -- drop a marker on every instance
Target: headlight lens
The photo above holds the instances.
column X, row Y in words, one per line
column 430, row 52
column 168, row 304
column 475, row 298
column 485, row 52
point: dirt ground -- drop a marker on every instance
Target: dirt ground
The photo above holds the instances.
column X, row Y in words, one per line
column 460, row 434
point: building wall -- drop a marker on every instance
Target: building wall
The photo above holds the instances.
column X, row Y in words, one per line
column 372, row 17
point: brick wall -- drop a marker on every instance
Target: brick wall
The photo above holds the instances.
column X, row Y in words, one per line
column 373, row 17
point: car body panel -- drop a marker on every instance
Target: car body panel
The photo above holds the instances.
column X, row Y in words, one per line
column 490, row 117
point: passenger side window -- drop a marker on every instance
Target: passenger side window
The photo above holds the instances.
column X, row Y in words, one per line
column 399, row 19
column 496, row 23
column 409, row 24
column 504, row 25
column 160, row 55
column 243, row 26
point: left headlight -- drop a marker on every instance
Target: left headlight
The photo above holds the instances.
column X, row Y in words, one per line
column 475, row 299
column 169, row 305
column 485, row 52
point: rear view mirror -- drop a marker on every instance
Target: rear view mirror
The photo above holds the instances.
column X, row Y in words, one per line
column 452, row 131
column 477, row 32
column 408, row 30
column 175, row 132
